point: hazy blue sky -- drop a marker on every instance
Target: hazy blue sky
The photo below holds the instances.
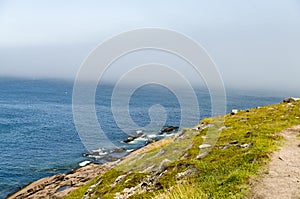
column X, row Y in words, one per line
column 255, row 44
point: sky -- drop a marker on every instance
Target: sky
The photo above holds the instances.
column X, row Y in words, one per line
column 255, row 44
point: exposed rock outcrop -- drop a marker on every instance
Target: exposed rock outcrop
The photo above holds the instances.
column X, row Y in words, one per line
column 170, row 129
column 60, row 185
column 234, row 111
column 290, row 99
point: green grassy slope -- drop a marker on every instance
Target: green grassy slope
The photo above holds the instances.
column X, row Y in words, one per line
column 172, row 168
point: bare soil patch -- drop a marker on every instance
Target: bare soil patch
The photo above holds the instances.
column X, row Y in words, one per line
column 282, row 179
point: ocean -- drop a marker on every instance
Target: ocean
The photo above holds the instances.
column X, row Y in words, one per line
column 38, row 137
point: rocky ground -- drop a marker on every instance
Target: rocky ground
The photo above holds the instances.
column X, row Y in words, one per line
column 280, row 180
column 60, row 185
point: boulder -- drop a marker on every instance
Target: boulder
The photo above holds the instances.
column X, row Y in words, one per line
column 204, row 146
column 130, row 139
column 118, row 150
column 163, row 165
column 139, row 132
column 225, row 146
column 205, row 126
column 93, row 154
column 246, row 145
column 234, row 111
column 234, row 142
column 170, row 129
column 187, row 173
column 202, row 155
column 119, row 179
column 290, row 99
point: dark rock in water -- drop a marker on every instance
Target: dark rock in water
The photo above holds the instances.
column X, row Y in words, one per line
column 130, row 139
column 94, row 154
column 170, row 129
column 118, row 150
column 139, row 132
column 152, row 141
column 109, row 158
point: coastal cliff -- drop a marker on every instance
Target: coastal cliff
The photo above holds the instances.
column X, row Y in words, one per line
column 188, row 165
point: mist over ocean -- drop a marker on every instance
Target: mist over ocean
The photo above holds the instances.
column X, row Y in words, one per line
column 38, row 136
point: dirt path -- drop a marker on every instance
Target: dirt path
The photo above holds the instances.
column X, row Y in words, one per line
column 282, row 178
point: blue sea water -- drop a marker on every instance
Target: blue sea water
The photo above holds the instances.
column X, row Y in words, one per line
column 38, row 137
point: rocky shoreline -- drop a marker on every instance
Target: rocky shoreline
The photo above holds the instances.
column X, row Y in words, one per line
column 60, row 185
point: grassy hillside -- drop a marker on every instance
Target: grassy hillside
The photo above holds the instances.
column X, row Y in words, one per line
column 178, row 168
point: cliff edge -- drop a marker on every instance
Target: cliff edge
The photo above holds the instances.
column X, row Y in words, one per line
column 221, row 157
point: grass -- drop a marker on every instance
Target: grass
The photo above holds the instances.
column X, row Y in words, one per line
column 224, row 173
column 185, row 190
column 81, row 191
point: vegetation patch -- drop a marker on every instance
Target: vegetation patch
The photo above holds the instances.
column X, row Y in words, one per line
column 175, row 169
